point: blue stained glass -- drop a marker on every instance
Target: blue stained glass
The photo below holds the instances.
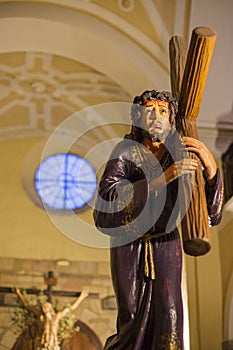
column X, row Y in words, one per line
column 65, row 181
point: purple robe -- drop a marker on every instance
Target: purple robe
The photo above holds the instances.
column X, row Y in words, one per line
column 146, row 274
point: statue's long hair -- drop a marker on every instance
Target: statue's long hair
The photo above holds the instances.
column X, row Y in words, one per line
column 137, row 109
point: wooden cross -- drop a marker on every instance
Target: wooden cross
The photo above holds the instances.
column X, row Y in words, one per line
column 187, row 83
column 50, row 281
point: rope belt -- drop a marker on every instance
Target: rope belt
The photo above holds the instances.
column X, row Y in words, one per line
column 149, row 268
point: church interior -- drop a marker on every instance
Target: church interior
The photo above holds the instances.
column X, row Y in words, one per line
column 69, row 71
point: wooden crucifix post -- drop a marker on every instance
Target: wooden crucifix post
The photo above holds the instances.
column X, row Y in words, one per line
column 187, row 86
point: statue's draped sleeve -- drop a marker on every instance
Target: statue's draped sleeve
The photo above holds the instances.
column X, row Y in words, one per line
column 122, row 194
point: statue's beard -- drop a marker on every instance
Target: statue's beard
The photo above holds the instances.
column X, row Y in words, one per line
column 154, row 136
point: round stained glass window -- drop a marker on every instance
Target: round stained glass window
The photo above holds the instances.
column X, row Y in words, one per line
column 65, row 181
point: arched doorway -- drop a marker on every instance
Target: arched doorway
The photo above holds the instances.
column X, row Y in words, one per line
column 84, row 339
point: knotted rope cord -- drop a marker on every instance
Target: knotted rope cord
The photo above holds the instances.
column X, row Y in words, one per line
column 149, row 268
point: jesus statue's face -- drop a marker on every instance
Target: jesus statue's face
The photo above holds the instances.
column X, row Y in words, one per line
column 155, row 120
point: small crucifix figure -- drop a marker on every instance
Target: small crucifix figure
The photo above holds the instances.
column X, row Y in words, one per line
column 47, row 320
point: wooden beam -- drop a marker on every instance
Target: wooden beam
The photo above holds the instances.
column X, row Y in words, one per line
column 35, row 291
column 177, row 55
column 194, row 226
column 196, row 71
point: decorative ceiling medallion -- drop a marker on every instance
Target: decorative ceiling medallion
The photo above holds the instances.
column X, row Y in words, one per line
column 126, row 5
column 40, row 91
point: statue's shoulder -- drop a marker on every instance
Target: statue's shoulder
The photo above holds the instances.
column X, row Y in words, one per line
column 126, row 147
column 128, row 150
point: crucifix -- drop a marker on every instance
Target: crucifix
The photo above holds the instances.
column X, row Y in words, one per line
column 46, row 318
column 188, row 77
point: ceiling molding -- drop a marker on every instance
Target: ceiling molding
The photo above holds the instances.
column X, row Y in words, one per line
column 157, row 22
column 157, row 50
column 81, row 32
column 180, row 17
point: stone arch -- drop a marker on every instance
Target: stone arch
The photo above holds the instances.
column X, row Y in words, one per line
column 84, row 339
column 63, row 31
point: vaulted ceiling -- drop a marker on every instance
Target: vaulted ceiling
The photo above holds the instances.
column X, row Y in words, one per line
column 58, row 57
